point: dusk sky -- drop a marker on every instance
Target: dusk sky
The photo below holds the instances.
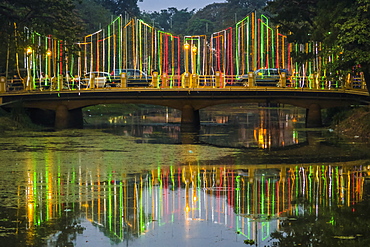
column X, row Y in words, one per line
column 157, row 5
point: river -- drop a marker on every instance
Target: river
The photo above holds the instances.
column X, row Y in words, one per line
column 251, row 175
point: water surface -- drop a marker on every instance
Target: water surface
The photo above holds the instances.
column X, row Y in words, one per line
column 249, row 176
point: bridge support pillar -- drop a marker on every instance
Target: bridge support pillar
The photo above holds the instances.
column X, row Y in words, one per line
column 313, row 116
column 65, row 118
column 190, row 120
column 189, row 115
column 190, row 123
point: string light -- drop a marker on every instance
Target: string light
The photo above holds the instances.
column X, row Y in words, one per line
column 131, row 43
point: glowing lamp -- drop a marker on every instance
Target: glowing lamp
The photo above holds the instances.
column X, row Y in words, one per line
column 48, row 53
column 194, row 49
column 29, row 50
column 186, row 46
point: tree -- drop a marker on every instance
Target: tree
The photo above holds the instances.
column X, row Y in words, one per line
column 340, row 25
column 200, row 26
column 354, row 37
column 119, row 7
column 46, row 17
column 249, row 4
column 93, row 15
column 55, row 17
column 170, row 20
column 224, row 15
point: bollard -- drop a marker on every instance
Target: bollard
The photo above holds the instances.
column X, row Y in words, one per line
column 218, row 79
column 28, row 83
column 164, row 80
column 92, row 80
column 282, row 81
column 363, row 82
column 194, row 80
column 251, row 79
column 186, row 80
column 2, row 84
column 123, row 80
column 60, row 82
column 155, row 79
column 317, row 80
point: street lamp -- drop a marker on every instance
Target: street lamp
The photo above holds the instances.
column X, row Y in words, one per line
column 48, row 74
column 194, row 62
column 186, row 48
column 29, row 50
column 29, row 54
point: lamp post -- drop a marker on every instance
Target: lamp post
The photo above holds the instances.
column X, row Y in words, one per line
column 29, row 58
column 186, row 48
column 194, row 62
column 48, row 75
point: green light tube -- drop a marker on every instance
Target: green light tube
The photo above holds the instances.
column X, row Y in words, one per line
column 273, row 198
column 110, row 194
column 46, row 60
column 35, row 196
column 121, row 210
column 33, row 63
column 263, row 194
column 109, row 49
column 248, row 51
column 120, row 42
column 237, row 50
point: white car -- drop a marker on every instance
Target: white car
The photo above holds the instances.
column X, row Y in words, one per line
column 101, row 79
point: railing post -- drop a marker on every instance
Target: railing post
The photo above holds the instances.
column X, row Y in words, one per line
column 363, row 82
column 217, row 79
column 164, row 80
column 28, row 82
column 186, row 80
column 60, row 82
column 194, row 80
column 2, row 84
column 348, row 81
column 155, row 79
column 251, row 79
column 316, row 80
column 92, row 80
column 123, row 79
column 282, row 81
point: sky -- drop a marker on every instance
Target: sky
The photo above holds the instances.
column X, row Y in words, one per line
column 157, row 5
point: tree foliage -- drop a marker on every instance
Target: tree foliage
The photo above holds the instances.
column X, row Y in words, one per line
column 93, row 16
column 46, row 16
column 170, row 20
column 212, row 18
column 120, row 7
column 341, row 26
column 223, row 15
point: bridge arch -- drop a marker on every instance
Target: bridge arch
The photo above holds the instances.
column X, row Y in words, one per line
column 67, row 106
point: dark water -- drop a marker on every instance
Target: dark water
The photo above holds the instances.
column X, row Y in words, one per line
column 251, row 176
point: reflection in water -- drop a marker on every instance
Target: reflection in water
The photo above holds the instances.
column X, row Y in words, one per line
column 246, row 126
column 250, row 203
column 122, row 186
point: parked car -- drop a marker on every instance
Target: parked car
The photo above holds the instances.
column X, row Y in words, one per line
column 135, row 78
column 102, row 79
column 266, row 77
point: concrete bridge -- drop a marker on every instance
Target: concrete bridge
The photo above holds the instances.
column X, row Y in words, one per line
column 64, row 108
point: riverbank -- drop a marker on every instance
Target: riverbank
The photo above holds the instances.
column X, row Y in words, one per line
column 16, row 120
column 353, row 124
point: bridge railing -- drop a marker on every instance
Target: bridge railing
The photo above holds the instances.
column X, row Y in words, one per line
column 355, row 82
column 327, row 83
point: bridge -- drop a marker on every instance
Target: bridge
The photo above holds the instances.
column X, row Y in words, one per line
column 56, row 79
column 64, row 108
